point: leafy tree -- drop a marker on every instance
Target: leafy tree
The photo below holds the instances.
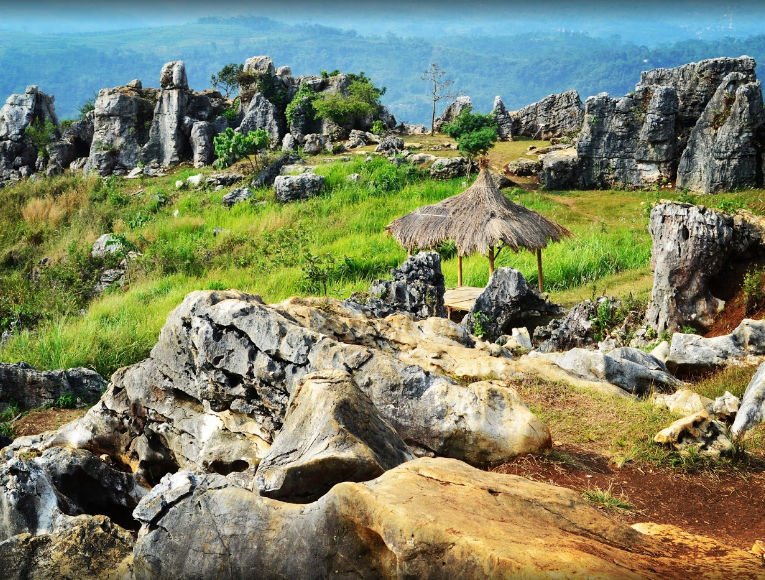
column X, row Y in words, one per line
column 474, row 133
column 439, row 89
column 227, row 78
column 231, row 146
column 361, row 101
column 303, row 99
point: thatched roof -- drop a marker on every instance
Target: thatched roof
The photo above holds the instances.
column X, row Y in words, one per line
column 477, row 219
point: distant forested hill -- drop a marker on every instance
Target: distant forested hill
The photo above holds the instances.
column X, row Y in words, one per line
column 521, row 68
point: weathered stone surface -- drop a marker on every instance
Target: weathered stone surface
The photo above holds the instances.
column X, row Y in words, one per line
column 89, row 548
column 451, row 167
column 557, row 115
column 18, row 156
column 560, row 170
column 258, row 71
column 296, row 187
column 201, row 143
column 691, row 353
column 630, row 369
column 683, row 402
column 690, row 246
column 630, row 141
column 262, row 114
column 313, row 144
column 509, row 302
column 752, row 410
column 73, row 144
column 725, row 407
column 331, row 433
column 237, row 195
column 524, row 167
column 173, row 76
column 417, row 288
column 698, row 431
column 725, row 147
column 30, row 388
column 106, row 244
column 424, row 518
column 42, row 494
column 390, row 145
column 267, row 176
column 289, row 143
column 503, row 118
column 453, row 111
column 574, row 330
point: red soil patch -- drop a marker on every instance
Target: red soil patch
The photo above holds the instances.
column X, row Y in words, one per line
column 727, row 506
column 41, row 420
column 732, row 315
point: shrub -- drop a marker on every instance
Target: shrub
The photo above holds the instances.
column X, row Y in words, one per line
column 41, row 134
column 473, row 132
column 231, row 146
column 303, row 99
column 227, row 78
column 754, row 294
column 66, row 401
column 378, row 127
column 361, row 101
column 88, row 106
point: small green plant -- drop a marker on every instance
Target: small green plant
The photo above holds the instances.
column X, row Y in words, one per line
column 474, row 133
column 319, row 271
column 604, row 318
column 6, row 430
column 730, row 205
column 752, row 287
column 301, row 101
column 378, row 127
column 606, row 499
column 361, row 100
column 688, row 330
column 231, row 114
column 88, row 106
column 66, row 401
column 10, row 412
column 41, row 134
column 227, row 78
column 231, row 146
column 479, row 324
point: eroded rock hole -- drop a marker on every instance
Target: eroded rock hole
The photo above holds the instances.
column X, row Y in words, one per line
column 90, row 496
column 225, row 467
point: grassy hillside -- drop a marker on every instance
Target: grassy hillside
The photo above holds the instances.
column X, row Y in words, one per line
column 188, row 240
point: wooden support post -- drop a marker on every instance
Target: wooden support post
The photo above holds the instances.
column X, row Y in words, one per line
column 491, row 260
column 541, row 276
column 459, row 271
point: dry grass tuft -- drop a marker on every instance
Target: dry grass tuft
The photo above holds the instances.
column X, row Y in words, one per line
column 52, row 211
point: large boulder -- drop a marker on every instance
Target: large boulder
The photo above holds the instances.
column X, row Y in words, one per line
column 560, row 169
column 262, row 114
column 690, row 246
column 508, row 302
column 725, row 147
column 524, row 167
column 332, row 433
column 73, row 145
column 296, row 187
column 390, row 145
column 451, row 167
column 700, row 432
column 752, row 409
column 417, row 288
column 503, row 118
column 30, row 388
column 557, row 115
column 694, row 354
column 425, row 518
column 574, row 330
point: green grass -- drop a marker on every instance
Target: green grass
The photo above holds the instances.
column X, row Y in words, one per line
column 606, row 499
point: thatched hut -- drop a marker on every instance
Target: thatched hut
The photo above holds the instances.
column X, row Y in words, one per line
column 479, row 220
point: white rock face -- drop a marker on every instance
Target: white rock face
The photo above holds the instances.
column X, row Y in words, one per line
column 752, row 410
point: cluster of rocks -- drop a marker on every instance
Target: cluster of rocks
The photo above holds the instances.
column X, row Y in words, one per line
column 22, row 385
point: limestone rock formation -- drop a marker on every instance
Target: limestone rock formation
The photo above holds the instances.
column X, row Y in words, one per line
column 331, row 433
column 30, row 388
column 297, row 187
column 18, row 155
column 509, row 302
column 453, row 111
column 725, row 147
column 683, row 402
column 692, row 354
column 451, row 167
column 425, row 515
column 237, row 195
column 752, row 410
column 557, row 115
column 503, row 118
column 262, row 114
column 72, row 146
column 524, row 167
column 417, row 288
column 698, row 431
column 690, row 246
column 574, row 330
column 390, row 145
column 560, row 169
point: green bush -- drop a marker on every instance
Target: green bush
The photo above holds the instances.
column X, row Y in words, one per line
column 227, row 78
column 231, row 146
column 66, row 401
column 41, row 134
column 378, row 127
column 474, row 133
column 361, row 102
column 303, row 99
column 754, row 293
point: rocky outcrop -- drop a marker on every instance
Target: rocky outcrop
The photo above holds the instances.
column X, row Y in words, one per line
column 73, row 147
column 700, row 432
column 390, row 145
column 237, row 195
column 725, row 147
column 451, row 167
column 752, row 409
column 296, row 187
column 18, row 155
column 682, row 402
column 508, row 302
column 262, row 114
column 417, row 288
column 503, row 118
column 694, row 354
column 425, row 513
column 575, row 330
column 332, row 433
column 524, row 167
column 560, row 170
column 557, row 115
column 30, row 388
column 453, row 111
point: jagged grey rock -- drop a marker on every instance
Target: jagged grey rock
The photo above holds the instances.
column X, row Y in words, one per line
column 106, row 244
column 503, row 118
column 289, row 143
column 451, row 167
column 263, row 114
column 560, row 170
column 631, row 369
column 390, row 145
column 417, row 288
column 699, row 431
column 557, row 115
column 331, row 433
column 682, row 402
column 752, row 410
column 313, row 144
column 725, row 147
column 691, row 353
column 509, row 302
column 574, row 330
column 524, row 167
column 74, row 144
column 201, row 143
column 725, row 407
column 690, row 246
column 30, row 388
column 173, row 76
column 453, row 111
column 296, row 187
column 236, row 196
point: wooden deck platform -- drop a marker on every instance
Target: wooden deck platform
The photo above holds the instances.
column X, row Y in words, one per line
column 461, row 299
